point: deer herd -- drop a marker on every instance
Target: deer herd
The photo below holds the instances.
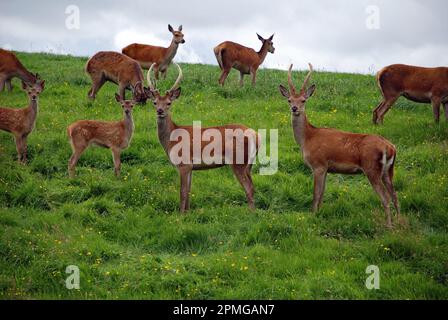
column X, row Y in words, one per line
column 324, row 150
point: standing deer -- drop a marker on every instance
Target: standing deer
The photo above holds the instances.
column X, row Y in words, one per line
column 146, row 55
column 112, row 135
column 119, row 69
column 330, row 150
column 246, row 60
column 166, row 129
column 20, row 122
column 424, row 85
column 11, row 67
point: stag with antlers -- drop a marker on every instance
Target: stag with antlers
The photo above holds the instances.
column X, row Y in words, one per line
column 233, row 140
column 146, row 55
column 327, row 150
column 246, row 60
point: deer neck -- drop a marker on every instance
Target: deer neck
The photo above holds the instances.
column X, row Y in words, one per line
column 171, row 52
column 164, row 128
column 25, row 75
column 263, row 52
column 128, row 124
column 33, row 107
column 301, row 128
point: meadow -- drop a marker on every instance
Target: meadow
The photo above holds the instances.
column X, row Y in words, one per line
column 130, row 242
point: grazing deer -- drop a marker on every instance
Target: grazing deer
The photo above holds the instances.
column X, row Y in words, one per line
column 20, row 122
column 245, row 60
column 113, row 135
column 119, row 69
column 424, row 85
column 330, row 150
column 228, row 144
column 146, row 55
column 11, row 67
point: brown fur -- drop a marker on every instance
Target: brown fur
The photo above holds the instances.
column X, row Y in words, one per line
column 146, row 55
column 327, row 150
column 246, row 60
column 115, row 135
column 119, row 69
column 418, row 84
column 21, row 122
column 11, row 67
column 165, row 126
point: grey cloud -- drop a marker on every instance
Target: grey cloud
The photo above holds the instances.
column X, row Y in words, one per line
column 331, row 34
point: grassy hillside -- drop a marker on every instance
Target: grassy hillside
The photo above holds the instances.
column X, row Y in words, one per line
column 129, row 241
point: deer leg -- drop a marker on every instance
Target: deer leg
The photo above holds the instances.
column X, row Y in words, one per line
column 224, row 74
column 189, row 177
column 97, row 83
column 241, row 79
column 375, row 111
column 185, row 180
column 445, row 106
column 77, row 152
column 320, row 176
column 375, row 181
column 254, row 76
column 383, row 108
column 435, row 101
column 245, row 180
column 8, row 84
column 20, row 146
column 122, row 90
column 2, row 83
column 117, row 161
column 387, row 181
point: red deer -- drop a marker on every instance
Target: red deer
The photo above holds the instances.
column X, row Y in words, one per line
column 119, row 69
column 11, row 67
column 112, row 135
column 327, row 150
column 229, row 144
column 21, row 122
column 424, row 85
column 245, row 60
column 146, row 55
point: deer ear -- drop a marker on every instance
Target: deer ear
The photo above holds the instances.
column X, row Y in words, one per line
column 174, row 94
column 117, row 97
column 24, row 85
column 271, row 37
column 309, row 92
column 170, row 28
column 42, row 84
column 284, row 91
column 260, row 37
column 180, row 28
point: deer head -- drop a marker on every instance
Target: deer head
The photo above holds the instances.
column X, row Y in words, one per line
column 268, row 42
column 178, row 36
column 297, row 100
column 163, row 103
column 127, row 105
column 34, row 89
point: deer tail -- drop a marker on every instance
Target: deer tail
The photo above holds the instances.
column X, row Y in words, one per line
column 218, row 54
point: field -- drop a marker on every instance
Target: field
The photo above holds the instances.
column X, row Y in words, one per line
column 129, row 241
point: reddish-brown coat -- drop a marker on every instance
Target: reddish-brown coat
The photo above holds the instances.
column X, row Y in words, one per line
column 418, row 84
column 119, row 69
column 10, row 67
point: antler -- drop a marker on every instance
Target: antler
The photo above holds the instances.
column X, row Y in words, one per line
column 178, row 80
column 292, row 89
column 152, row 86
column 307, row 78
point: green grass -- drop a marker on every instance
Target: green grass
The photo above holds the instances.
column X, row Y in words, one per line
column 129, row 240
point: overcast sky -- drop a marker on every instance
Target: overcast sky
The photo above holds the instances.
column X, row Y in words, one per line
column 336, row 35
